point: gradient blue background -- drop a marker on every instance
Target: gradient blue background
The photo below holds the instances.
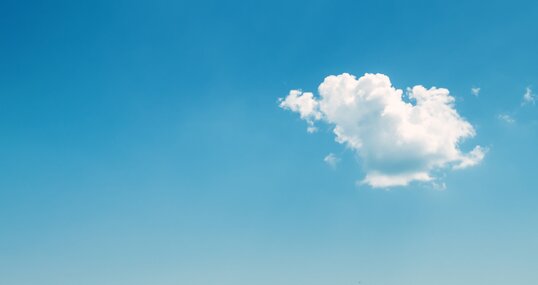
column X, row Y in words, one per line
column 141, row 143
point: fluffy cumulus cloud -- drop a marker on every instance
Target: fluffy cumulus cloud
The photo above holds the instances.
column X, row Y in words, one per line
column 398, row 138
column 305, row 105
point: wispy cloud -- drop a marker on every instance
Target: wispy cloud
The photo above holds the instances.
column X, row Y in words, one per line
column 528, row 98
column 398, row 142
column 506, row 118
column 441, row 186
column 331, row 160
column 475, row 91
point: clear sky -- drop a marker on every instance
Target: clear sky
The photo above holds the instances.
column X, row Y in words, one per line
column 143, row 143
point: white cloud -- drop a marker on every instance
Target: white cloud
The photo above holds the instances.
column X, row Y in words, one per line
column 528, row 97
column 397, row 141
column 475, row 91
column 506, row 118
column 473, row 158
column 331, row 160
column 305, row 105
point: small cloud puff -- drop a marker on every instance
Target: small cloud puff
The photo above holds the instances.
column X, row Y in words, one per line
column 475, row 91
column 398, row 142
column 506, row 118
column 528, row 98
column 331, row 160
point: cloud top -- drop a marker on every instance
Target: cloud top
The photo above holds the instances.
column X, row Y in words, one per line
column 398, row 141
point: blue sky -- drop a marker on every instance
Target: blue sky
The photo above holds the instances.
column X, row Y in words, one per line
column 143, row 143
